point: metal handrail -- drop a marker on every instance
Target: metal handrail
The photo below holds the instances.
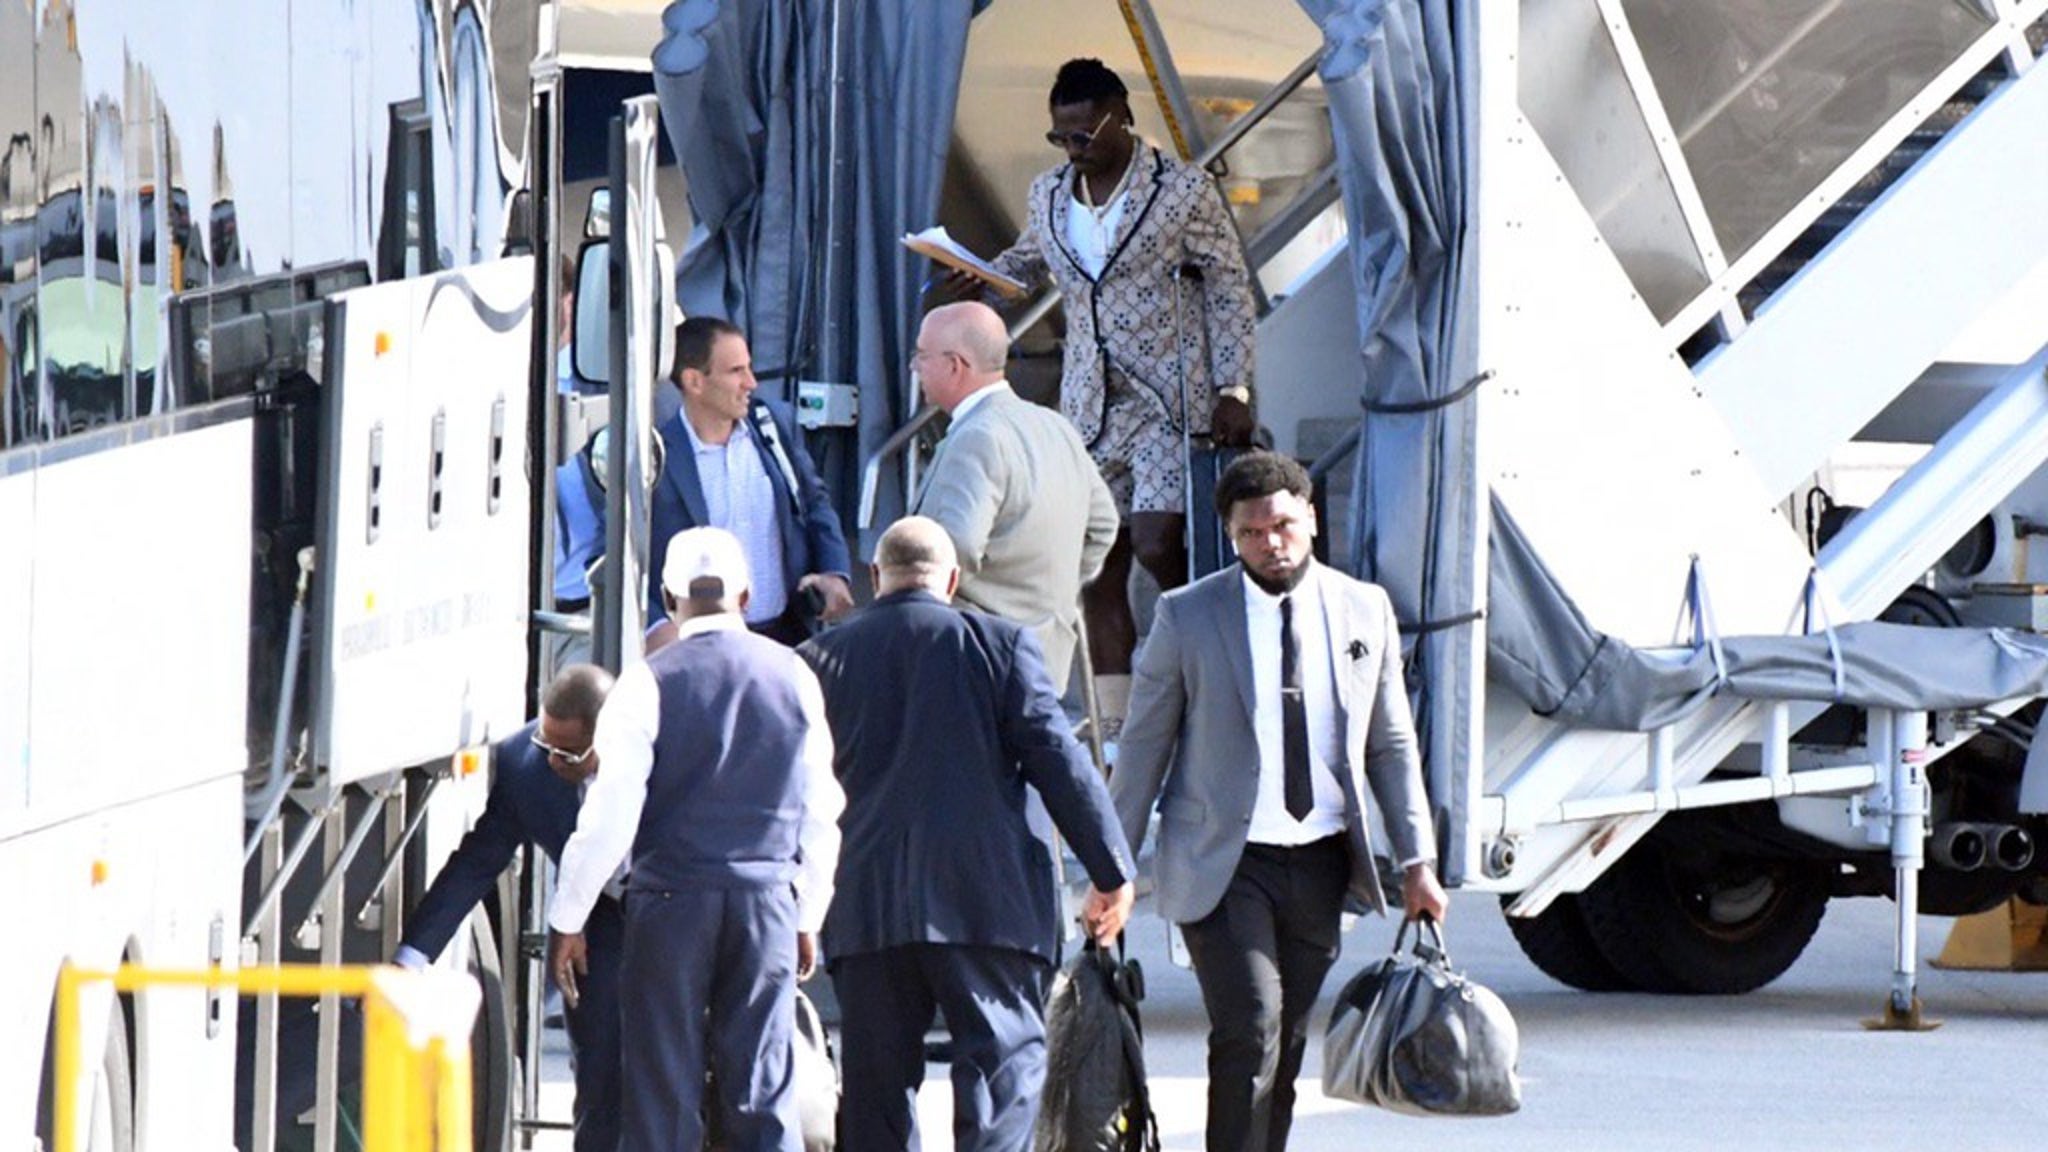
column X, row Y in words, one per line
column 1319, row 193
column 1258, row 112
column 1029, row 317
column 1336, row 453
column 871, row 473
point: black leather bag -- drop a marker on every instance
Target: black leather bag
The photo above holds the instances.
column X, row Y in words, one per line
column 816, row 1084
column 1410, row 1035
column 1095, row 1096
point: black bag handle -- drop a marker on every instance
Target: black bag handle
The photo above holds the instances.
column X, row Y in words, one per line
column 1429, row 940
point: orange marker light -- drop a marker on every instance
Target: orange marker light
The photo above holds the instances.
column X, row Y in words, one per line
column 468, row 762
column 99, row 873
column 383, row 343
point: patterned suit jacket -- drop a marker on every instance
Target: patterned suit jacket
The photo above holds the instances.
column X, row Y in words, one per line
column 1122, row 321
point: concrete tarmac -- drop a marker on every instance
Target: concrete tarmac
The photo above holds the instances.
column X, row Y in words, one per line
column 1789, row 1067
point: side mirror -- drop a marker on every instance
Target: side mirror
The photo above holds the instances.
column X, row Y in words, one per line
column 590, row 341
column 591, row 344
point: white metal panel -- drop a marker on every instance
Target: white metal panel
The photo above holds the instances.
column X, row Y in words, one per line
column 17, row 526
column 1598, row 438
column 426, row 645
column 1946, row 244
column 1308, row 365
column 140, row 638
column 108, row 883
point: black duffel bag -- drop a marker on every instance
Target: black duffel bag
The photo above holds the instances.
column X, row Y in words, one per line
column 1410, row 1035
column 1095, row 1096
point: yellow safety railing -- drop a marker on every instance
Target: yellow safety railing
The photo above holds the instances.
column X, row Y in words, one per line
column 416, row 1026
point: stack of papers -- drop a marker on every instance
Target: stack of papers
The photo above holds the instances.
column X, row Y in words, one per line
column 935, row 244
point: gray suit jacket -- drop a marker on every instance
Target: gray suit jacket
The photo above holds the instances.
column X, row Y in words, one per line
column 1188, row 743
column 1029, row 514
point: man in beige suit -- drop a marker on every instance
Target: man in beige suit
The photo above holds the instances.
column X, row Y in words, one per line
column 1013, row 486
column 1267, row 711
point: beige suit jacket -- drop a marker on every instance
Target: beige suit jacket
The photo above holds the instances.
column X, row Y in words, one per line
column 1029, row 514
column 1188, row 744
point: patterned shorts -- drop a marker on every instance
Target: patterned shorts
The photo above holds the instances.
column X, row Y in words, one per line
column 1141, row 456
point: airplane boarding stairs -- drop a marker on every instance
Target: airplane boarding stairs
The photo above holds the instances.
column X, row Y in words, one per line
column 1634, row 475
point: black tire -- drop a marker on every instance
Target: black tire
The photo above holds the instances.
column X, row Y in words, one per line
column 493, row 1063
column 1556, row 940
column 1704, row 923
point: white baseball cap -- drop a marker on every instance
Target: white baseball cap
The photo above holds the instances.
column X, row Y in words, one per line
column 701, row 554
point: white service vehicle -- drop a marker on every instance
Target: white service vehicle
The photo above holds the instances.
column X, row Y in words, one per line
column 279, row 297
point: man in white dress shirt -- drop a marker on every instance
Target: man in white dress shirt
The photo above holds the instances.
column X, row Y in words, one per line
column 718, row 778
column 1266, row 711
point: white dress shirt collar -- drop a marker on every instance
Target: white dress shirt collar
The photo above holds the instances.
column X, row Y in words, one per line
column 1271, row 822
column 975, row 398
column 740, row 432
column 715, row 622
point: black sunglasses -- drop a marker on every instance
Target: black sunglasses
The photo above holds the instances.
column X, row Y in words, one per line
column 572, row 759
column 1079, row 140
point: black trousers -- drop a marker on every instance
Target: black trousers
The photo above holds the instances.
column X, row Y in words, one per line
column 1260, row 958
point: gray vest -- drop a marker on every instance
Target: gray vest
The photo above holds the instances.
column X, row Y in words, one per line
column 726, row 795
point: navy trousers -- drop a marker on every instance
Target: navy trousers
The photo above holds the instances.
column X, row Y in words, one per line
column 594, row 1030
column 994, row 1003
column 709, row 981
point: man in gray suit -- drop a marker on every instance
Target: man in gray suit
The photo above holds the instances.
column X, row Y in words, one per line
column 1028, row 512
column 1266, row 702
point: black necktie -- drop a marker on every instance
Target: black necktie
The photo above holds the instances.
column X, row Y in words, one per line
column 1293, row 719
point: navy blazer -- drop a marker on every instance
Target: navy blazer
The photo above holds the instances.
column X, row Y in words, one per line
column 940, row 719
column 812, row 540
column 528, row 804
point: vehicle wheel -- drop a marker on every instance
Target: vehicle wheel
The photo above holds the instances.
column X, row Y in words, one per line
column 493, row 1062
column 110, row 1119
column 1704, row 924
column 1557, row 941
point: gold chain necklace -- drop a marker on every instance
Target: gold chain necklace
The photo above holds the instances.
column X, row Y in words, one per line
column 1109, row 201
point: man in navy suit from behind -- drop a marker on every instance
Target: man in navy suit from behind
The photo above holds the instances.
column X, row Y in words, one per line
column 536, row 788
column 733, row 460
column 946, row 899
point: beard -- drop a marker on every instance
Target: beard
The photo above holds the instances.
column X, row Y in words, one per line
column 1282, row 586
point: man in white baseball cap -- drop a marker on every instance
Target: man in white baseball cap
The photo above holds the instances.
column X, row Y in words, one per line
column 707, row 566
column 718, row 779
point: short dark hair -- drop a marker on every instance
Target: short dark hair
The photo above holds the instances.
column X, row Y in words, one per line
column 1087, row 81
column 694, row 338
column 1256, row 475
column 577, row 693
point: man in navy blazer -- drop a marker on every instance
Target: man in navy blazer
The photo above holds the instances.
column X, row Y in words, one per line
column 538, row 774
column 945, row 893
column 735, row 461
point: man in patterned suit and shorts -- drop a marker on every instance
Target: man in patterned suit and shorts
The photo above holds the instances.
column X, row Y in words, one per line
column 1110, row 227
